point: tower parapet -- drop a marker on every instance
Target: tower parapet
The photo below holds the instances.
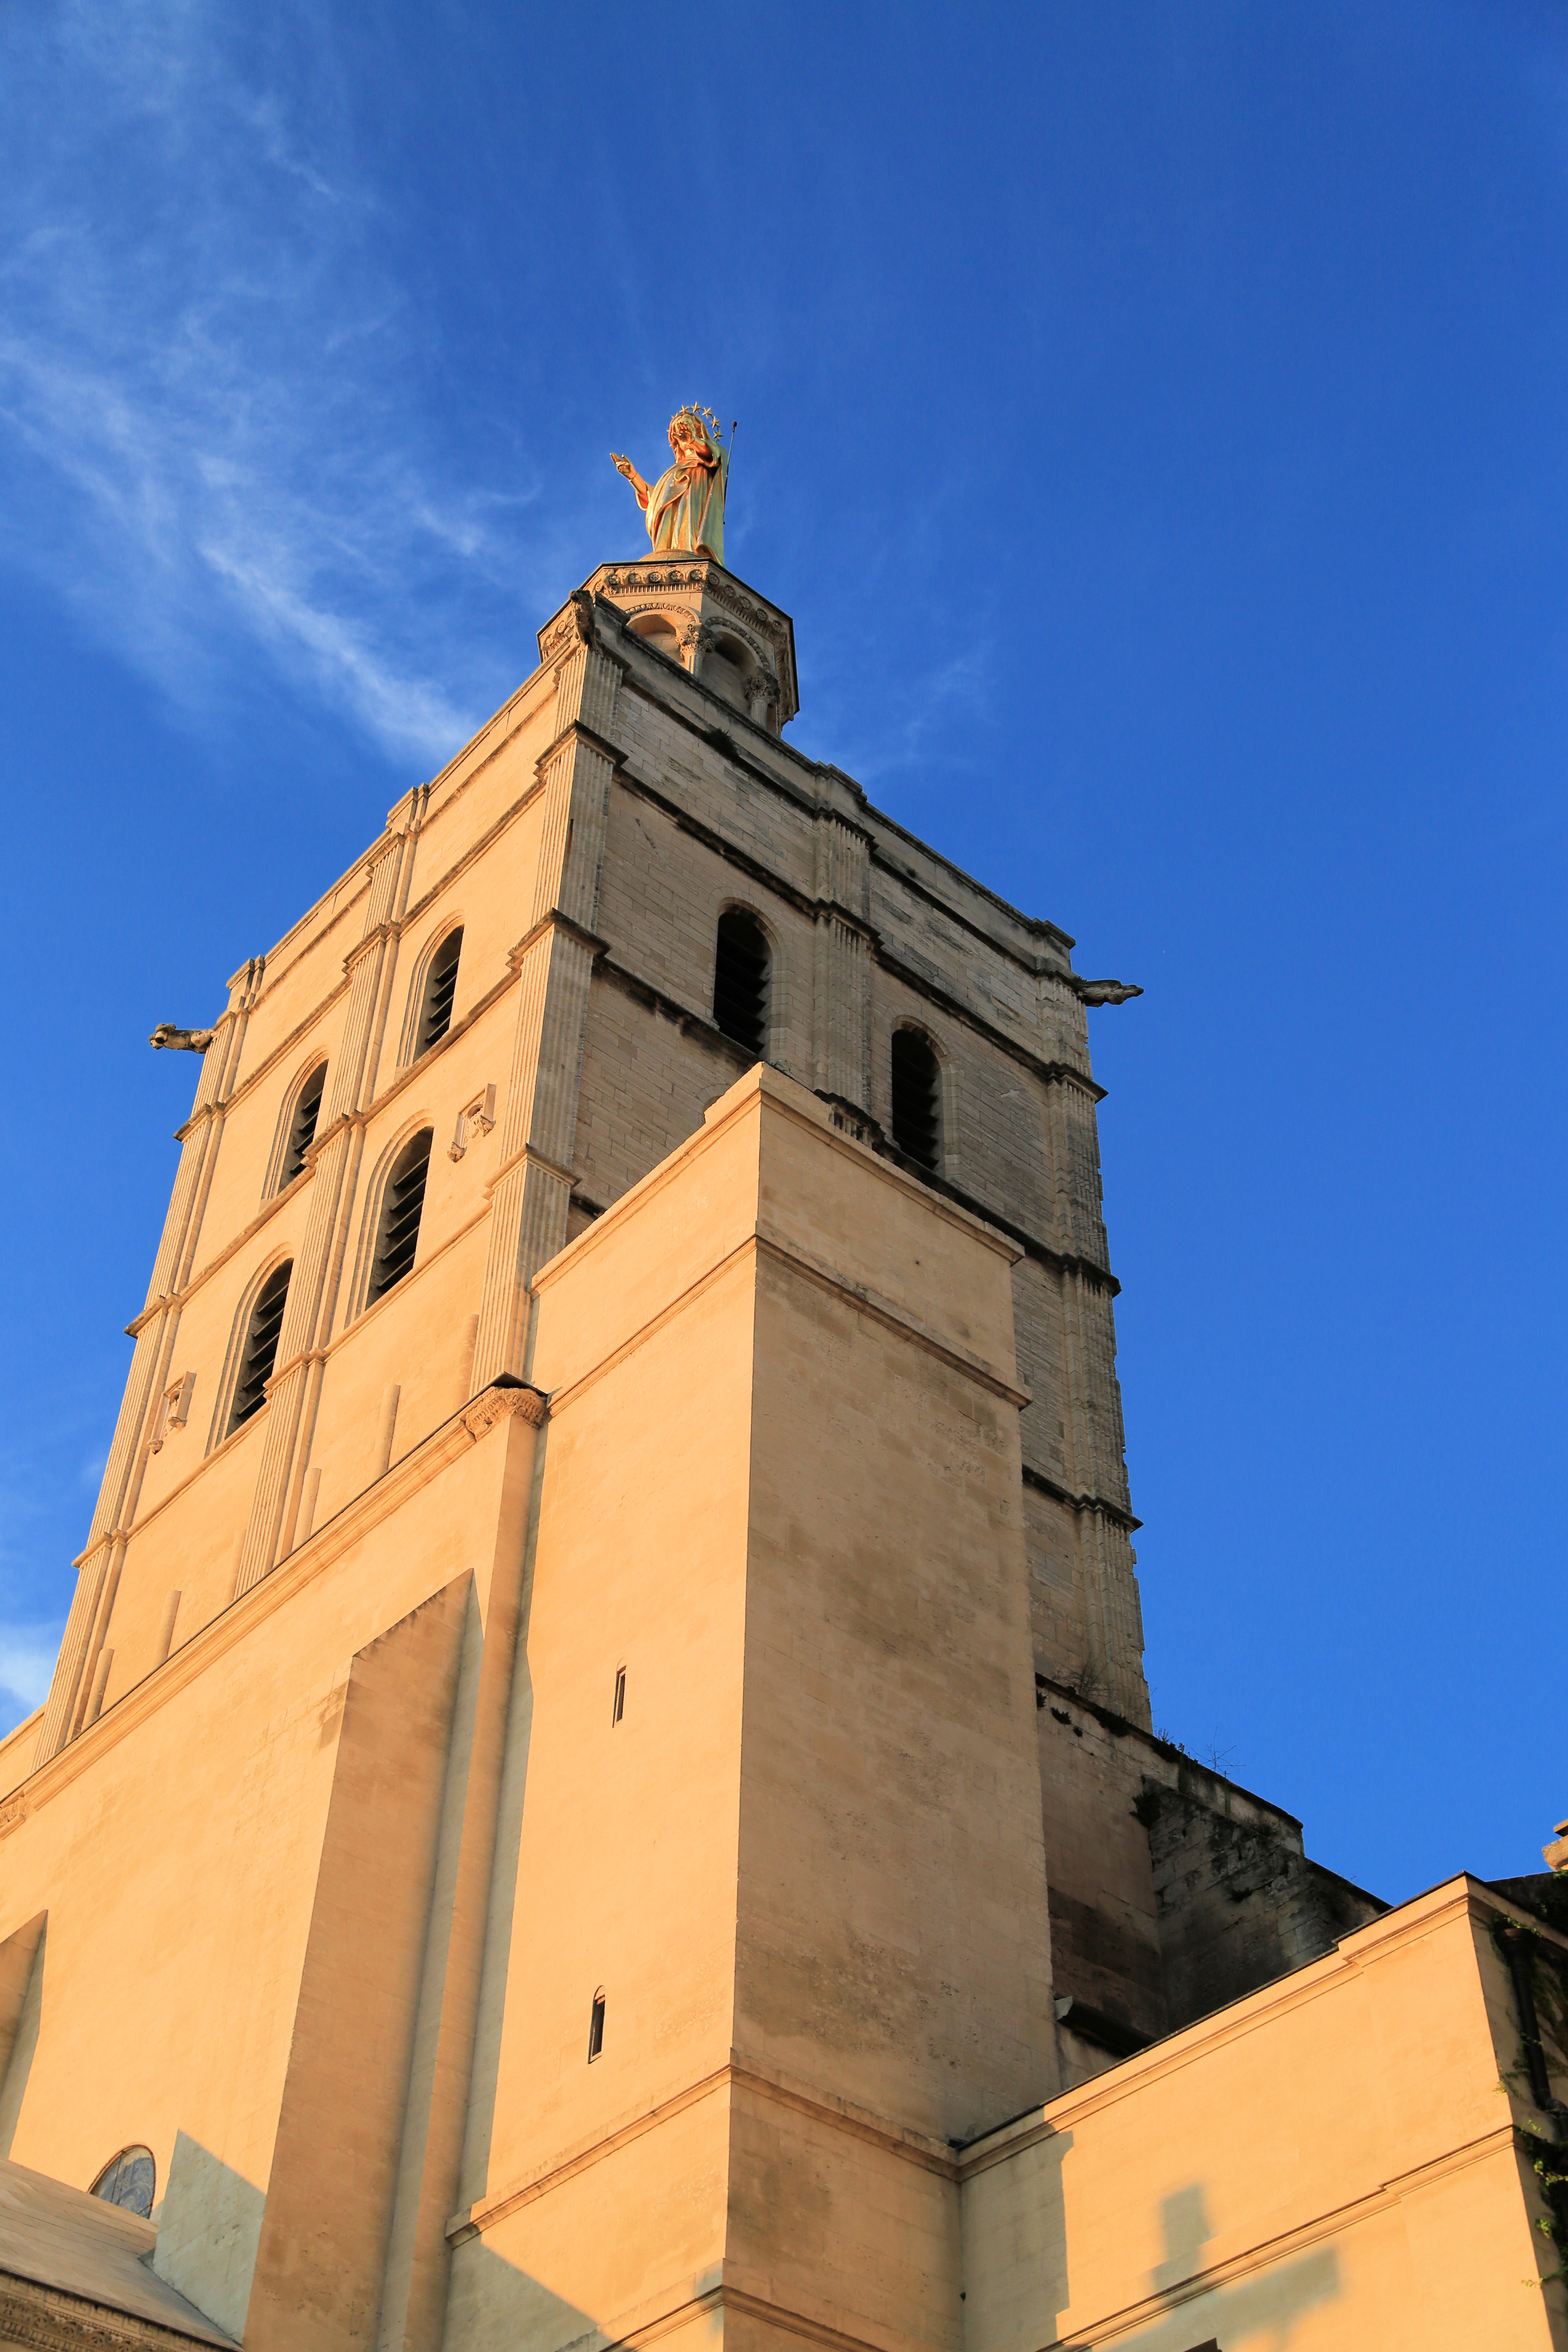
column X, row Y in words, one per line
column 709, row 623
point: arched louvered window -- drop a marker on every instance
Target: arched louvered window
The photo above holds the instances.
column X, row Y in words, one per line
column 260, row 1345
column 740, row 972
column 440, row 988
column 402, row 1206
column 302, row 1126
column 916, row 1099
column 128, row 2181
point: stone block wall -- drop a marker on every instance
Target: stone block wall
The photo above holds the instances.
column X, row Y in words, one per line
column 869, row 929
column 1173, row 1889
column 587, row 840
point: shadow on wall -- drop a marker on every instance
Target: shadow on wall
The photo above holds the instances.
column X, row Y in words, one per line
column 209, row 2228
column 21, row 2013
column 493, row 2307
column 1022, row 2291
column 209, row 2233
column 1267, row 2304
column 485, row 2070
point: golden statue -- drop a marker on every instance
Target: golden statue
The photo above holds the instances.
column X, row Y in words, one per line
column 685, row 507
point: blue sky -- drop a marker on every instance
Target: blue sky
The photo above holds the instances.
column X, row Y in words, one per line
column 1153, row 416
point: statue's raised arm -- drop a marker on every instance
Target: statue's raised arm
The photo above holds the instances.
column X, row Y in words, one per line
column 685, row 507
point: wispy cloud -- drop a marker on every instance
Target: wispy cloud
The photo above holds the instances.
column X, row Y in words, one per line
column 26, row 1664
column 219, row 434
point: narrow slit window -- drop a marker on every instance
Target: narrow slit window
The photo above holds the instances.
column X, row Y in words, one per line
column 741, row 975
column 302, row 1126
column 619, row 1706
column 260, row 1346
column 401, row 1210
column 916, row 1099
column 440, row 989
column 596, row 2027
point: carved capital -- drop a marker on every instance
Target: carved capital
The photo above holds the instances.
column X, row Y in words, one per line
column 370, row 938
column 493, row 1405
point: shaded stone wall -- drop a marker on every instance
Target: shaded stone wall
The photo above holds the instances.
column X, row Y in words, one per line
column 1173, row 1890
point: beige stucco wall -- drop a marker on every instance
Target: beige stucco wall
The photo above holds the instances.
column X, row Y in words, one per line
column 775, row 1368
column 1330, row 2164
column 328, row 1894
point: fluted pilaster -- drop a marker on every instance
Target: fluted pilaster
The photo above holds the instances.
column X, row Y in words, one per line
column 293, row 1392
column 529, row 1196
column 155, row 1332
column 841, row 964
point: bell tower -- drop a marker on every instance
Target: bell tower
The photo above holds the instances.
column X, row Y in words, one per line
column 622, row 1432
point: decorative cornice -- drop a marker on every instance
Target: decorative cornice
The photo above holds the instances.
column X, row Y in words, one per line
column 1042, row 1254
column 200, row 1116
column 927, row 2155
column 529, row 1156
column 150, row 1313
column 360, row 871
column 556, row 921
column 1123, row 1727
column 691, row 1022
column 575, row 625
column 807, row 800
column 342, row 1123
column 1053, row 1073
column 577, row 732
column 863, row 1127
column 729, row 851
column 834, row 911
column 324, row 1545
column 377, row 935
column 1082, row 1502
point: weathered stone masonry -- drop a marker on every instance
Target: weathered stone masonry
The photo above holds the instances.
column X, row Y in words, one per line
column 870, row 928
column 589, row 838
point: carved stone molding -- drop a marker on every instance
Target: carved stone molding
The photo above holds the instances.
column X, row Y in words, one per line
column 45, row 2319
column 555, row 641
column 703, row 601
column 494, row 1406
column 368, row 940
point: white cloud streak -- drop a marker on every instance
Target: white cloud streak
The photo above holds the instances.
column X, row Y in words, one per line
column 28, row 1655
column 216, row 440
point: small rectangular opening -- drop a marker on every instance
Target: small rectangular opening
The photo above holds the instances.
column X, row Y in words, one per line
column 596, row 2028
column 619, row 1706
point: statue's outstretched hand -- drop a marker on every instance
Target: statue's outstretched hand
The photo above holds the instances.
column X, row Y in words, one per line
column 624, row 466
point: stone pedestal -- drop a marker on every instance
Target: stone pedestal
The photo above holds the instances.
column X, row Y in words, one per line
column 706, row 621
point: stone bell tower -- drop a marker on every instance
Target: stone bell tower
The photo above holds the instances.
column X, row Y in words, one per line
column 622, row 1433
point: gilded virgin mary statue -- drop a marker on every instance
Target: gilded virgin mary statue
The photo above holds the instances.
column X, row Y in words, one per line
column 685, row 507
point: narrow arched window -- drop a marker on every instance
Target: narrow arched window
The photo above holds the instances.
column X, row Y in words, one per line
column 740, row 972
column 302, row 1126
column 916, row 1099
column 128, row 2181
column 402, row 1206
column 260, row 1345
column 440, row 988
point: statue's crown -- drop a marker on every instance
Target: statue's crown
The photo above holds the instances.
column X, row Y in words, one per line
column 701, row 417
